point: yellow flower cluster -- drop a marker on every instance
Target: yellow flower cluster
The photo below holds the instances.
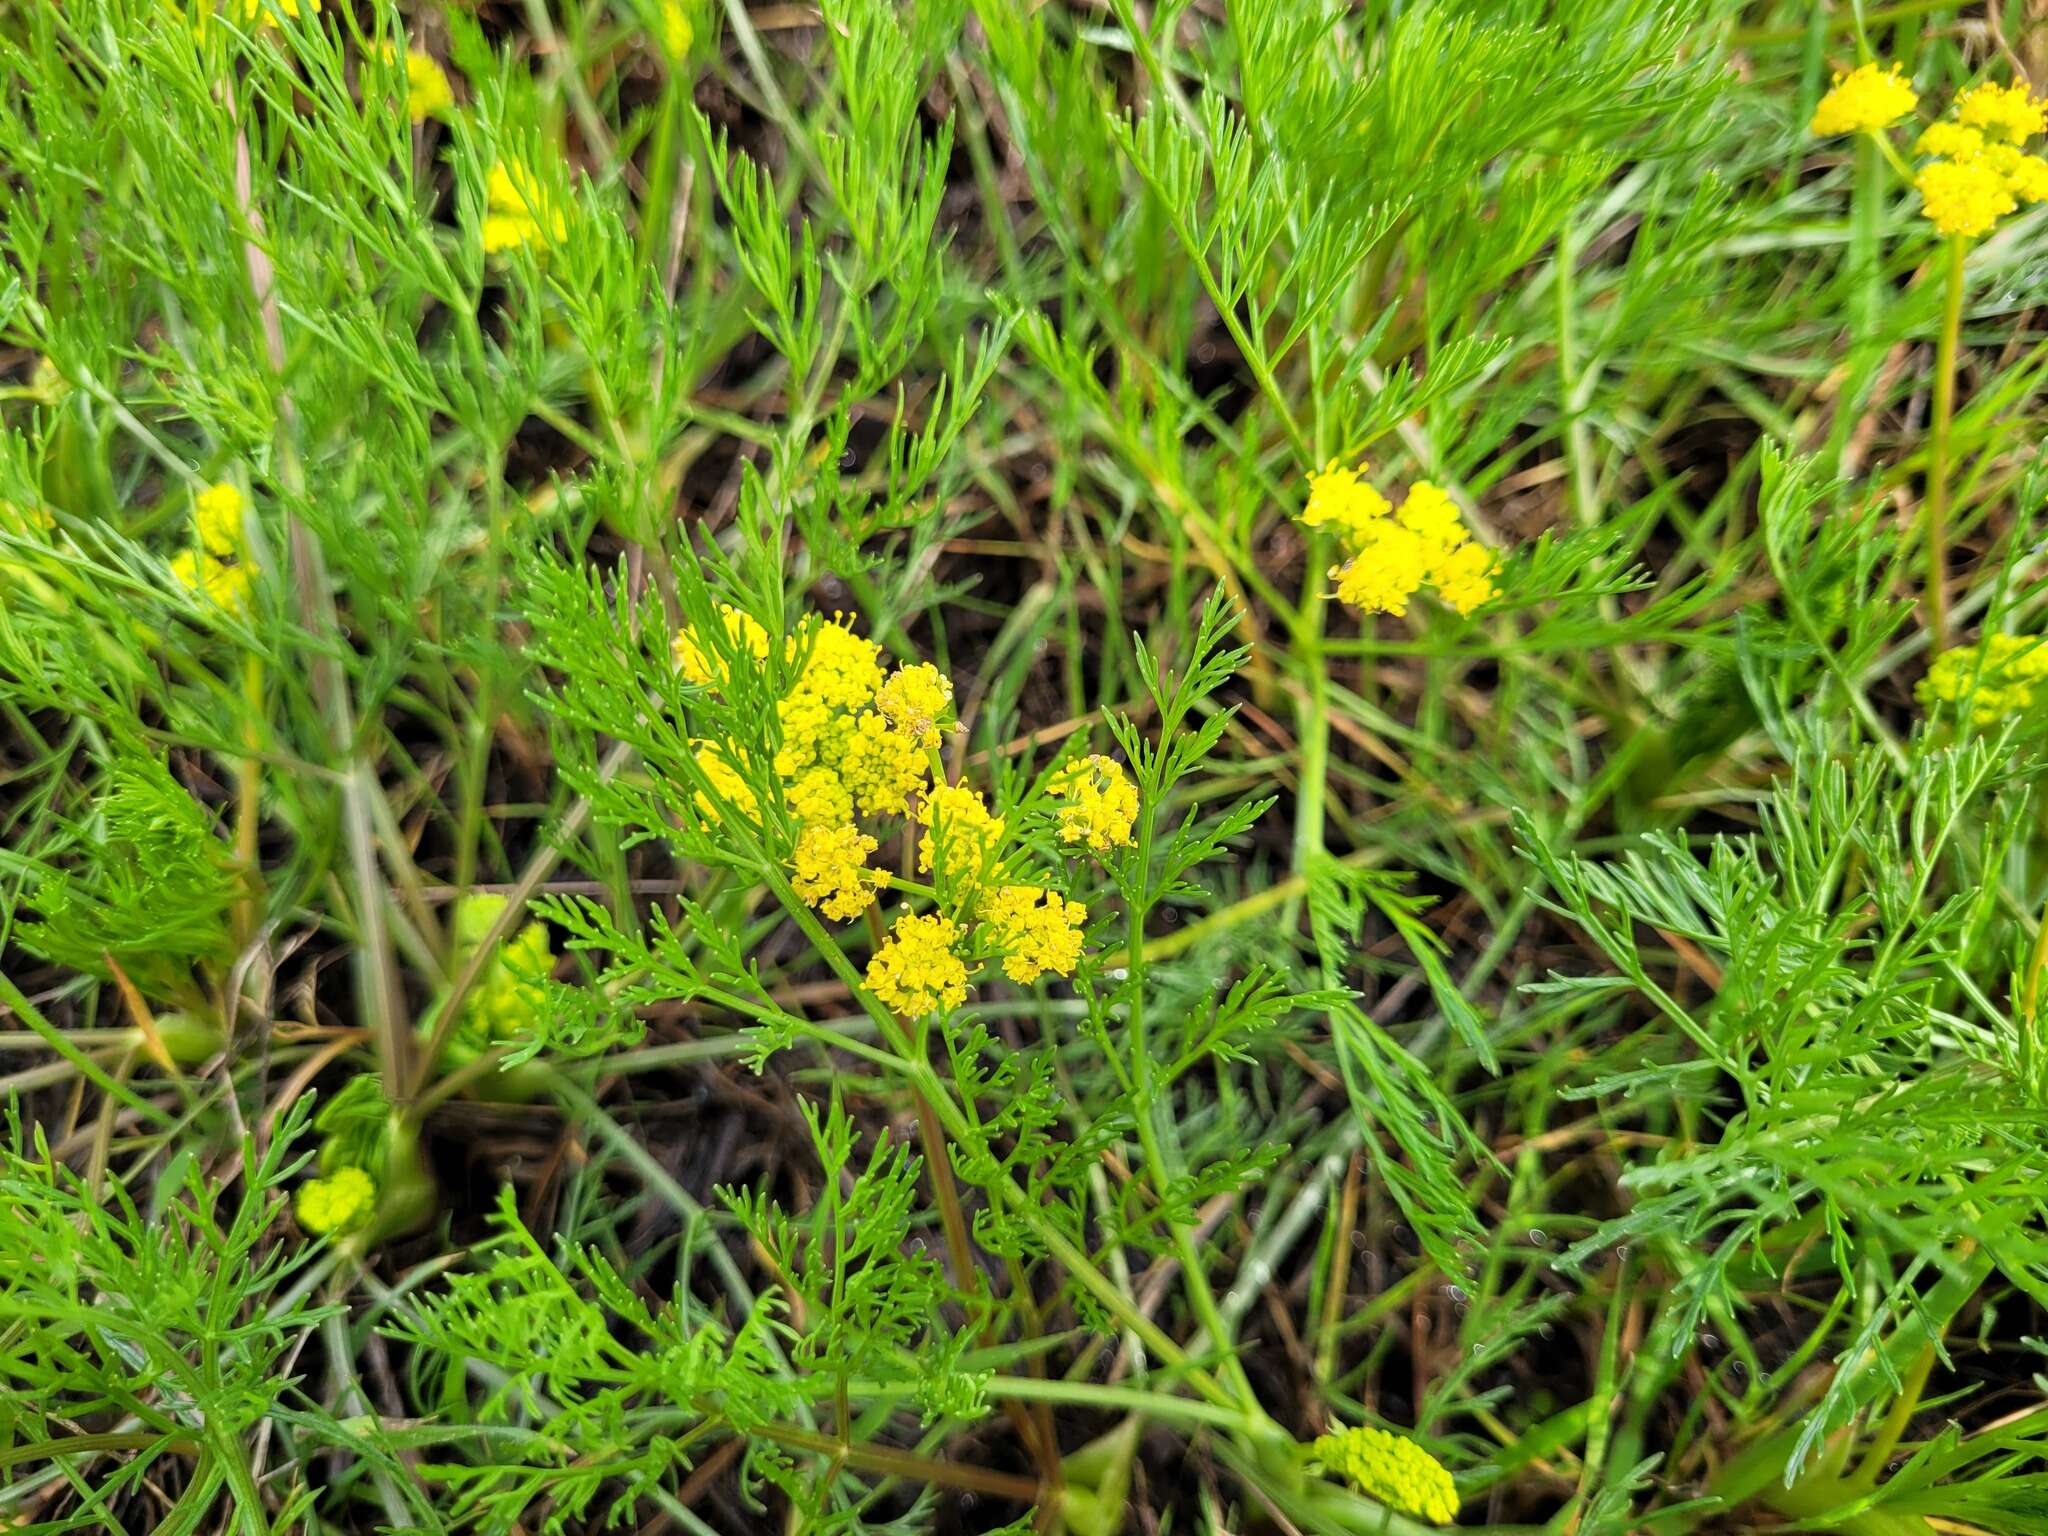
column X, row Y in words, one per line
column 1863, row 101
column 856, row 741
column 1034, row 931
column 2007, row 113
column 915, row 700
column 917, row 969
column 506, row 1002
column 216, row 563
column 1981, row 170
column 1996, row 677
column 1102, row 802
column 427, row 91
column 830, row 871
column 1398, row 1473
column 519, row 212
column 1037, row 931
column 339, row 1203
column 962, row 836
column 705, row 667
column 1393, row 554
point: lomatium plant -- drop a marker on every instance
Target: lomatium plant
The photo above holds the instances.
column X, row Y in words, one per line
column 939, row 767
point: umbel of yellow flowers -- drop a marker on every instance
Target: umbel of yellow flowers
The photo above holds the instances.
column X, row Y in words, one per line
column 216, row 563
column 1995, row 678
column 1398, row 1473
column 338, row 1203
column 859, row 742
column 1977, row 169
column 519, row 211
column 1393, row 554
column 1863, row 101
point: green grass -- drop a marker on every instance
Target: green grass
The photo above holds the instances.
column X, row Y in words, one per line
column 1596, row 1039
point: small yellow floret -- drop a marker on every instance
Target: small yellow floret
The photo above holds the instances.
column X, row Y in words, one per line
column 1340, row 499
column 706, row 667
column 1995, row 678
column 918, row 701
column 1391, row 558
column 1963, row 198
column 510, row 994
column 2007, row 112
column 216, row 564
column 1102, row 802
column 2025, row 176
column 726, row 781
column 962, row 836
column 916, row 970
column 1037, row 931
column 1396, row 1472
column 840, row 674
column 880, row 766
column 1950, row 139
column 1864, row 100
column 519, row 211
column 1429, row 513
column 1464, row 578
column 818, row 795
column 831, row 873
column 427, row 91
column 339, row 1203
column 217, row 517
column 1388, row 568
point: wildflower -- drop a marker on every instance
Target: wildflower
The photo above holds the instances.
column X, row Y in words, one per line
column 1963, row 198
column 725, row 778
column 916, row 700
column 2005, row 112
column 743, row 633
column 676, row 32
column 831, row 871
column 1429, row 513
column 339, row 1203
column 1982, row 173
column 510, row 993
column 841, row 672
column 1389, row 558
column 1103, row 802
column 217, row 515
column 1863, row 101
column 1995, row 678
column 1340, row 499
column 880, row 766
column 427, row 91
column 1037, row 931
column 519, row 211
column 1950, row 139
column 963, row 834
column 215, row 565
column 916, row 970
column 1395, row 1471
column 1388, row 569
column 2025, row 176
column 820, row 795
column 1464, row 578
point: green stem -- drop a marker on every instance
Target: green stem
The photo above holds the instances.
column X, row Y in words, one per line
column 1904, row 1406
column 1313, row 717
column 1938, row 467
